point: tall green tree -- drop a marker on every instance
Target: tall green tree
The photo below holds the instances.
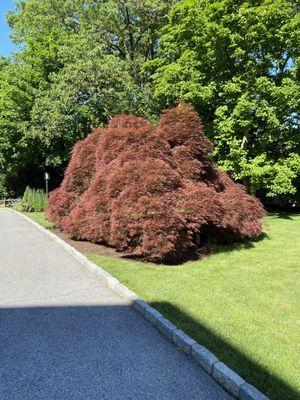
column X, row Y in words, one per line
column 18, row 87
column 90, row 88
column 127, row 29
column 238, row 63
column 83, row 61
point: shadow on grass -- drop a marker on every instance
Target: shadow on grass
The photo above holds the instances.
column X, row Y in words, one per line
column 284, row 215
column 203, row 252
column 86, row 352
column 227, row 248
column 271, row 385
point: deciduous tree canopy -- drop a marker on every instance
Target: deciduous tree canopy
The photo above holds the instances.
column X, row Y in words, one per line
column 80, row 62
column 237, row 62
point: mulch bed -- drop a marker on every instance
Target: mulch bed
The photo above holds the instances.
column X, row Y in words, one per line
column 88, row 247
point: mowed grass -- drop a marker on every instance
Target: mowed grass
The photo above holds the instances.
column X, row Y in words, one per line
column 39, row 217
column 242, row 303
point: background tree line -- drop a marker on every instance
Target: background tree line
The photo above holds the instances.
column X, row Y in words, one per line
column 83, row 61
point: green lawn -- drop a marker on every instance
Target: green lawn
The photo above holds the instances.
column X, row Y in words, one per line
column 39, row 217
column 242, row 302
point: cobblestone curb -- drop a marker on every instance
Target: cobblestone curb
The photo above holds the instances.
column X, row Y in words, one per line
column 222, row 374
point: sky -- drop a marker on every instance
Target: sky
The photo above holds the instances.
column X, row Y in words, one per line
column 6, row 46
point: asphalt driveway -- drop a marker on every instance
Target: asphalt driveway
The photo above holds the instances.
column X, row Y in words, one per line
column 64, row 335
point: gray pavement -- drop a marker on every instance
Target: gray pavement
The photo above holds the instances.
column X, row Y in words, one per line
column 64, row 335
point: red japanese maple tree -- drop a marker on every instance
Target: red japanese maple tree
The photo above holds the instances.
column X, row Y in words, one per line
column 152, row 191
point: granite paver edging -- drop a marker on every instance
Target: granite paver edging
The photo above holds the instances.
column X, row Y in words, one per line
column 221, row 373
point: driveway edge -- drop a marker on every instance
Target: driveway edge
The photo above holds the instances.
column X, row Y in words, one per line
column 220, row 372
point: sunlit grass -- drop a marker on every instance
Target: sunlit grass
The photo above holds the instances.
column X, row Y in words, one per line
column 39, row 217
column 242, row 302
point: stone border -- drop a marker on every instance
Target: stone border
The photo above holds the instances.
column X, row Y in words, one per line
column 226, row 377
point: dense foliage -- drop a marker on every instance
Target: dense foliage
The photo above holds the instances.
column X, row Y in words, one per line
column 80, row 62
column 152, row 190
column 78, row 176
column 33, row 200
column 237, row 62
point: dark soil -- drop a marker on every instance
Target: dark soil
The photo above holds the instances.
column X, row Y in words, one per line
column 88, row 247
column 103, row 250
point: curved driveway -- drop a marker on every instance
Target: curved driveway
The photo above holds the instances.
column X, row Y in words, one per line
column 64, row 335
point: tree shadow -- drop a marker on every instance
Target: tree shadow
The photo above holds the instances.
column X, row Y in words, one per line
column 104, row 352
column 246, row 245
column 284, row 215
column 109, row 352
column 270, row 384
column 205, row 251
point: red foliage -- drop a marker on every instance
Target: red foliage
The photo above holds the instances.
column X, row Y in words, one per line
column 152, row 191
column 77, row 179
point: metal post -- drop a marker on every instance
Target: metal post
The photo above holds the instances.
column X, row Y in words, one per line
column 47, row 177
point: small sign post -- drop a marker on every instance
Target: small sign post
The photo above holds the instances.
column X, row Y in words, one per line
column 47, row 178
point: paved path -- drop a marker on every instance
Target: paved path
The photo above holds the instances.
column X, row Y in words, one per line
column 64, row 335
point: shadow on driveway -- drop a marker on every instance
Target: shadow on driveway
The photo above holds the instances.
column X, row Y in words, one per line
column 93, row 352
